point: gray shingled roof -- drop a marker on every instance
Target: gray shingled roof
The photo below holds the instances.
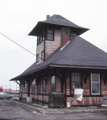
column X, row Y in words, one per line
column 58, row 21
column 78, row 53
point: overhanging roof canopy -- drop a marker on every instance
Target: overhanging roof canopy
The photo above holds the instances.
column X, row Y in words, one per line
column 59, row 21
column 79, row 53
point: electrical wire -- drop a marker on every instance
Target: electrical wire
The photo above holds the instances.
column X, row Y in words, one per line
column 18, row 44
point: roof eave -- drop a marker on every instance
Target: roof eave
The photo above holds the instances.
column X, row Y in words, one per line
column 36, row 29
column 79, row 66
column 29, row 73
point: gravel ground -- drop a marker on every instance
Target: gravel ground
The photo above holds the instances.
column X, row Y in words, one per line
column 13, row 111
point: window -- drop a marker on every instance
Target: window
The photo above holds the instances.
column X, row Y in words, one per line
column 75, row 80
column 21, row 87
column 72, row 35
column 33, row 85
column 38, row 40
column 37, row 58
column 38, row 88
column 53, row 83
column 42, row 55
column 50, row 34
column 95, row 83
column 44, row 87
column 41, row 37
column 26, row 87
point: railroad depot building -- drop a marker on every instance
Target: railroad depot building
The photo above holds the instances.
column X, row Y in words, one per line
column 64, row 61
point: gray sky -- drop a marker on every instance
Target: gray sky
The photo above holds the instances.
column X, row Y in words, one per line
column 18, row 17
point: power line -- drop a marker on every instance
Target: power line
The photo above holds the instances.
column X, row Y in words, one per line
column 11, row 51
column 17, row 44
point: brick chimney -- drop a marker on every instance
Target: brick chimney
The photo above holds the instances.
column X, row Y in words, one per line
column 48, row 16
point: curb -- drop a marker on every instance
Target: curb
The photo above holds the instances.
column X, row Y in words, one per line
column 59, row 111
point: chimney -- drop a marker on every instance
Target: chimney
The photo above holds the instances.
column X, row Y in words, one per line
column 48, row 16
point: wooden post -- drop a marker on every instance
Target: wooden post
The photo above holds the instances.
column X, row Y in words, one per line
column 28, row 88
column 65, row 92
column 62, row 85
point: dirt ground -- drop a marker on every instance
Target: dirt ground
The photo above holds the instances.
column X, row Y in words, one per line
column 13, row 111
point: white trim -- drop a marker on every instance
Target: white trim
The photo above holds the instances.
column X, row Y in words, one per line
column 64, row 45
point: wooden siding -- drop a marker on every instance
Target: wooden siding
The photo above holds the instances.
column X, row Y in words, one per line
column 24, row 95
column 103, row 88
column 86, row 86
column 39, row 49
column 64, row 87
column 85, row 101
column 88, row 99
column 48, row 85
column 67, row 86
column 58, row 85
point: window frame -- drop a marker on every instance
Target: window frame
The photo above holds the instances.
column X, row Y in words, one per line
column 26, row 87
column 38, row 40
column 44, row 85
column 75, row 81
column 37, row 58
column 50, row 34
column 38, row 88
column 53, row 89
column 33, row 85
column 96, row 82
column 21, row 87
column 72, row 35
column 42, row 55
column 41, row 37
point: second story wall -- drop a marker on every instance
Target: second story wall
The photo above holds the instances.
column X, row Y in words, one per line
column 39, row 50
column 52, row 46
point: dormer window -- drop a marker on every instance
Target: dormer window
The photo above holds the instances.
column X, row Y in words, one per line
column 72, row 35
column 50, row 34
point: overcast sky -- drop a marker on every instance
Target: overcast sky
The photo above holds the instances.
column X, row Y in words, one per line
column 18, row 17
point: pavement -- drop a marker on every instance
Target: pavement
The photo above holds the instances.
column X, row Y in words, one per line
column 60, row 111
